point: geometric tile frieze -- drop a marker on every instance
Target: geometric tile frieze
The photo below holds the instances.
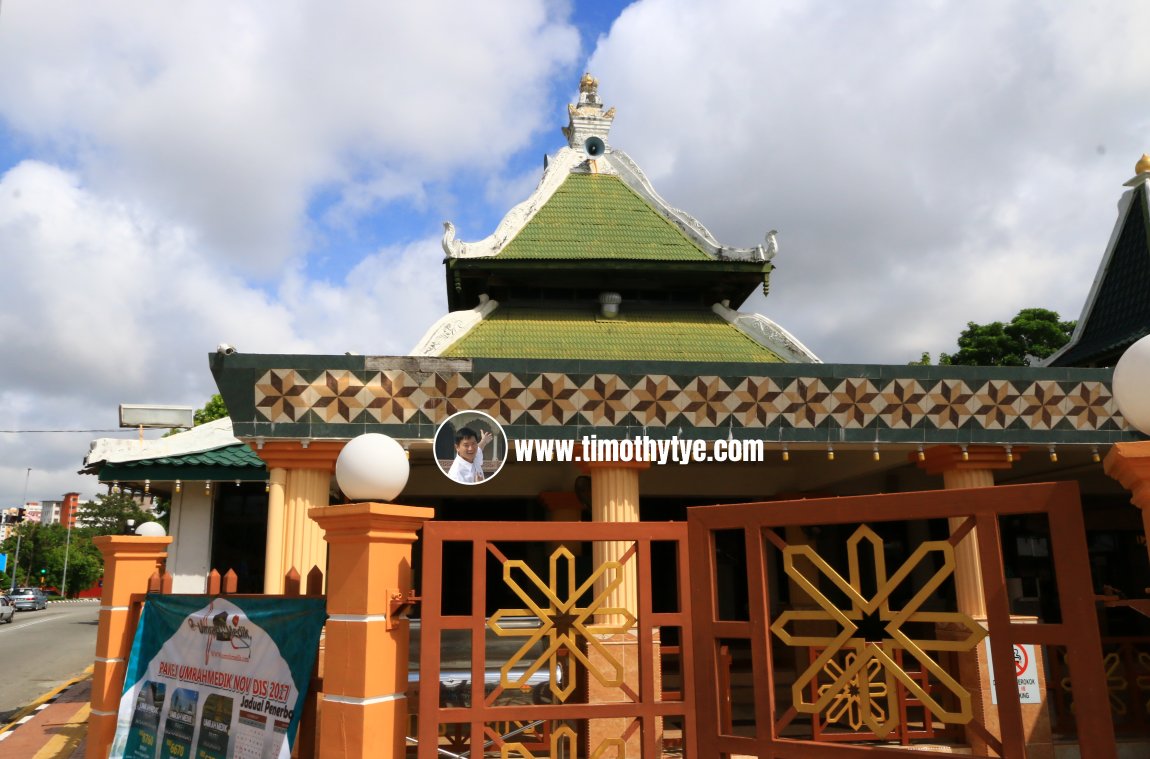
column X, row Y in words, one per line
column 602, row 399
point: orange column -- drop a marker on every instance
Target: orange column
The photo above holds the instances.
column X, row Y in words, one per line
column 1129, row 463
column 975, row 469
column 274, row 547
column 129, row 560
column 615, row 498
column 365, row 664
column 562, row 506
column 299, row 479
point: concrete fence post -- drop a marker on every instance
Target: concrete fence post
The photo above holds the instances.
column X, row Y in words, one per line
column 129, row 560
column 364, row 712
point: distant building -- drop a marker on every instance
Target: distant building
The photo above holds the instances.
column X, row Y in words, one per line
column 69, row 509
column 50, row 511
column 33, row 511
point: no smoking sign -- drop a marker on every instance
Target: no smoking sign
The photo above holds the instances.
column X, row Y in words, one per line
column 1024, row 669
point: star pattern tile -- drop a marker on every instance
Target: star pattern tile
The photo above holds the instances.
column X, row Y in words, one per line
column 554, row 399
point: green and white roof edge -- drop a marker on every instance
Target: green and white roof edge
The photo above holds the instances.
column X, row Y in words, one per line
column 205, row 437
column 208, row 452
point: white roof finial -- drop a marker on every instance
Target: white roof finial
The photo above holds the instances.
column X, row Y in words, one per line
column 587, row 117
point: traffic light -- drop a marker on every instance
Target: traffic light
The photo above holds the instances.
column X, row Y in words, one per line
column 43, row 572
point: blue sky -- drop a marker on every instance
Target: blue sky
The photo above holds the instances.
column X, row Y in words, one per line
column 274, row 173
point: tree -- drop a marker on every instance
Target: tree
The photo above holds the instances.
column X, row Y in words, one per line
column 109, row 514
column 1034, row 333
column 214, row 409
column 924, row 361
column 44, row 550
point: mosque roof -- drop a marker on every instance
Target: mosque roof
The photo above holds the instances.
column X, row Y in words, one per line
column 1117, row 311
column 596, row 229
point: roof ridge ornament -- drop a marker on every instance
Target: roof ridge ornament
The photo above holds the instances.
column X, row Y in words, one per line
column 586, row 118
column 1143, row 165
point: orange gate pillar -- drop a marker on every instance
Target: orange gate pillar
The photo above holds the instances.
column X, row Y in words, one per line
column 129, row 560
column 365, row 665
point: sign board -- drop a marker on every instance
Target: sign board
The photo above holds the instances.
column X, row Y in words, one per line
column 152, row 416
column 1025, row 667
column 213, row 678
column 3, row 562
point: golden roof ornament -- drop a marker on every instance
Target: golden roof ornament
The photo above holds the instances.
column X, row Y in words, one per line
column 589, row 84
column 1143, row 165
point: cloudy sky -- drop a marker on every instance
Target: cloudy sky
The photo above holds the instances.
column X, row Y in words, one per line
column 274, row 174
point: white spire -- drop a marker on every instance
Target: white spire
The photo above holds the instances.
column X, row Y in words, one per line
column 587, row 118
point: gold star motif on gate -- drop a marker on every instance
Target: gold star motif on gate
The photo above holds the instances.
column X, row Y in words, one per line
column 563, row 623
column 873, row 631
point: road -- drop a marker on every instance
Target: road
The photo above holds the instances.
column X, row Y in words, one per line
column 43, row 649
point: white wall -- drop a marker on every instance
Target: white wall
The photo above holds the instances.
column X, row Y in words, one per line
column 190, row 526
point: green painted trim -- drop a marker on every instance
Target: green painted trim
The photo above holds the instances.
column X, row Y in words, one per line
column 239, row 367
column 613, row 264
column 168, row 472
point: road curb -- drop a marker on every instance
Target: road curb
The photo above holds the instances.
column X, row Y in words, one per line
column 28, row 712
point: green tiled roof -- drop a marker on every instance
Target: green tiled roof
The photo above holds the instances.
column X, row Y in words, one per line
column 636, row 335
column 231, row 462
column 597, row 216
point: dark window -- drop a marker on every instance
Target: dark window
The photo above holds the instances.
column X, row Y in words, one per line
column 239, row 533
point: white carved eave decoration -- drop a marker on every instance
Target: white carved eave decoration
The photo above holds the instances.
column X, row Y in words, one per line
column 630, row 173
column 556, row 172
column 768, row 334
column 451, row 327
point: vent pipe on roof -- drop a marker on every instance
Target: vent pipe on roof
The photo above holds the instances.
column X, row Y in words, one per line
column 609, row 304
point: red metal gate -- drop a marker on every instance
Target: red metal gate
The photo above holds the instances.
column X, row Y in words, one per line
column 798, row 658
column 530, row 647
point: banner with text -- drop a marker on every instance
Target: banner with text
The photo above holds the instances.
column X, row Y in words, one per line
column 213, row 678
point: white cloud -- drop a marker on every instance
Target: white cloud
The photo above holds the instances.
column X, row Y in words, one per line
column 106, row 305
column 231, row 115
column 386, row 303
column 925, row 164
column 174, row 154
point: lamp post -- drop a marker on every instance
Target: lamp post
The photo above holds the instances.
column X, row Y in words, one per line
column 20, row 532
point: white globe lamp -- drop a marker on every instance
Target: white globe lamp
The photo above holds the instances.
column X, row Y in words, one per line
column 1131, row 385
column 151, row 530
column 372, row 467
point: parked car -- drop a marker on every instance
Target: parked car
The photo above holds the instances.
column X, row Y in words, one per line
column 29, row 599
column 7, row 610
